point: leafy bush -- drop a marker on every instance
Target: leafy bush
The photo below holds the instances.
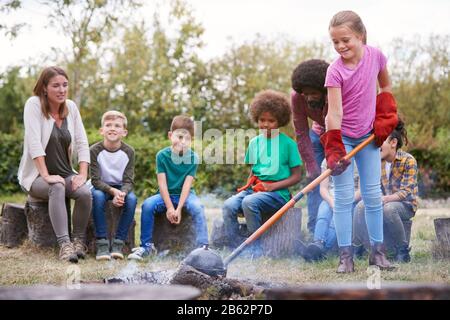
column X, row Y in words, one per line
column 221, row 179
column 10, row 153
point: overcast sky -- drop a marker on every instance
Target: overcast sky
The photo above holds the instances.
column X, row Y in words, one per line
column 227, row 21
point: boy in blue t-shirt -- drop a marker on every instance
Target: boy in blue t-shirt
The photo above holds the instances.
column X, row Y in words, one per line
column 176, row 167
column 275, row 167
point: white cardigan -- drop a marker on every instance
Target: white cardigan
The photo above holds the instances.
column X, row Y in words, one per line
column 37, row 134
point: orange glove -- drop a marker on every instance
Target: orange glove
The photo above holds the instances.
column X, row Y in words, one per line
column 250, row 182
column 259, row 187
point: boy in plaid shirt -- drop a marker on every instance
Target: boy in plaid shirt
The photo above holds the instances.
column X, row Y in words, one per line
column 400, row 192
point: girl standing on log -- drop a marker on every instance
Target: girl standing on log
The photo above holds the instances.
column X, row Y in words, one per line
column 53, row 130
column 354, row 111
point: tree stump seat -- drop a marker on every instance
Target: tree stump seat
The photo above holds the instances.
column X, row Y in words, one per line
column 173, row 237
column 13, row 225
column 280, row 240
column 441, row 247
column 32, row 221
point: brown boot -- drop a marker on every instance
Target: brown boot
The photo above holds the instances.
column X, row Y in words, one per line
column 378, row 258
column 67, row 252
column 80, row 248
column 345, row 260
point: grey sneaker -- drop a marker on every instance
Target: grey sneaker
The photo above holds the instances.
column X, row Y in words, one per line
column 116, row 251
column 140, row 253
column 80, row 248
column 67, row 252
column 102, row 249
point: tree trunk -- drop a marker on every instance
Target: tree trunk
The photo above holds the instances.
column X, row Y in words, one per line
column 176, row 238
column 13, row 227
column 113, row 215
column 215, row 287
column 441, row 247
column 281, row 239
column 40, row 229
column 278, row 241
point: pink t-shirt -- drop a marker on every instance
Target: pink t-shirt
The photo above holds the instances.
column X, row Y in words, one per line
column 359, row 90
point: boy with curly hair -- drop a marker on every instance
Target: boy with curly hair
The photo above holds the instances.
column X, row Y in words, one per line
column 275, row 167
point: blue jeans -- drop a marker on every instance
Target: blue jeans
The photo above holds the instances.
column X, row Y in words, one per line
column 252, row 204
column 155, row 205
column 325, row 230
column 99, row 199
column 369, row 168
column 314, row 199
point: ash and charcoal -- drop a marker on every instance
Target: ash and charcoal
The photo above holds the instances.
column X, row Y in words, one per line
column 212, row 287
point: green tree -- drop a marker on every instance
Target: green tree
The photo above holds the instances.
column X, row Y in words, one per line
column 177, row 77
column 249, row 68
column 86, row 23
column 14, row 91
column 421, row 82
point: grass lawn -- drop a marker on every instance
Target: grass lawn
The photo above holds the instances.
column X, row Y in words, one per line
column 28, row 265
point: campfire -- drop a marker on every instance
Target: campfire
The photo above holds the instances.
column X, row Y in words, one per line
column 212, row 287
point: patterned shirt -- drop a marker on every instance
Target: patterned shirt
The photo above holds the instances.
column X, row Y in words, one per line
column 402, row 179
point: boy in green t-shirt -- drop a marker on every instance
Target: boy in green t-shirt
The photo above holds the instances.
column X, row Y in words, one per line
column 176, row 167
column 276, row 166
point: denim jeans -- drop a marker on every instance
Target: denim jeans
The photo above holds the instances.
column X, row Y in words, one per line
column 253, row 205
column 155, row 205
column 369, row 167
column 314, row 199
column 99, row 199
column 325, row 230
column 394, row 213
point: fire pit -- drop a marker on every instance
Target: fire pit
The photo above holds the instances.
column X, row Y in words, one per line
column 211, row 287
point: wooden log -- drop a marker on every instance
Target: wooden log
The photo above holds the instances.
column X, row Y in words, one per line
column 358, row 291
column 113, row 215
column 100, row 292
column 214, row 287
column 174, row 237
column 13, row 225
column 40, row 229
column 220, row 240
column 442, row 228
column 279, row 241
column 441, row 247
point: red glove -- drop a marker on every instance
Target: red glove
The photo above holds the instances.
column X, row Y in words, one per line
column 250, row 182
column 334, row 151
column 385, row 118
column 259, row 187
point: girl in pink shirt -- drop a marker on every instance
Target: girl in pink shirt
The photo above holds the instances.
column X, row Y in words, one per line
column 354, row 111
